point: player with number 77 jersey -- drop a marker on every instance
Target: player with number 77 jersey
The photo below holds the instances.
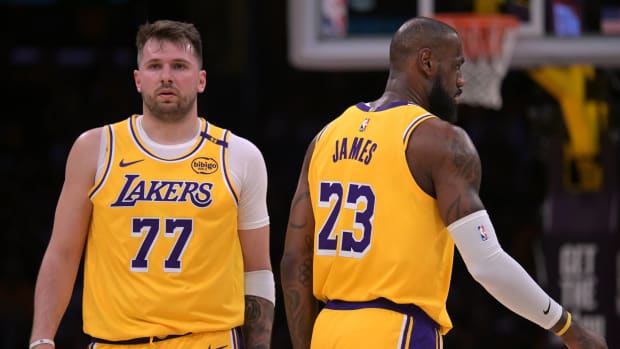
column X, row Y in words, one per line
column 173, row 225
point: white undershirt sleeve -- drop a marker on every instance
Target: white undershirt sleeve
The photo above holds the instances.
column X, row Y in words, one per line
column 500, row 274
column 249, row 173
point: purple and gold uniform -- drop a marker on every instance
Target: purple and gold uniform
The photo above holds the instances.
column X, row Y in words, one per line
column 381, row 246
column 169, row 227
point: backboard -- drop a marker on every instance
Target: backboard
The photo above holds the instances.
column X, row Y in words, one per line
column 348, row 35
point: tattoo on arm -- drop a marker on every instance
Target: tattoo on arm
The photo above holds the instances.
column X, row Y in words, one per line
column 297, row 200
column 296, row 265
column 300, row 324
column 465, row 163
column 466, row 167
column 301, row 307
column 258, row 323
column 454, row 210
column 305, row 273
column 305, row 269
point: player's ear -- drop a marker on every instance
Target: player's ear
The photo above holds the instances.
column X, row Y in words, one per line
column 136, row 79
column 202, row 81
column 425, row 61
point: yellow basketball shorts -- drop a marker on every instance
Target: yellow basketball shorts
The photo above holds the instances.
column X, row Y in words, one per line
column 230, row 339
column 375, row 324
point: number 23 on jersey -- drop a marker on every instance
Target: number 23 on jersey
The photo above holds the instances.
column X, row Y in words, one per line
column 337, row 235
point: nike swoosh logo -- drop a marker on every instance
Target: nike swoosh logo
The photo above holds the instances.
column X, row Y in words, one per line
column 222, row 347
column 122, row 163
column 548, row 308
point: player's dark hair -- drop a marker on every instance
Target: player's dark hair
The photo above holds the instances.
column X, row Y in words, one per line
column 174, row 31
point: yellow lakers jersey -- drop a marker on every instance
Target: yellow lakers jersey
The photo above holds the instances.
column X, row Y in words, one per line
column 163, row 254
column 377, row 233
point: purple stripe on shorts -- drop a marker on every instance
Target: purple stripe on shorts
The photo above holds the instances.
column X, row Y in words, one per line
column 404, row 334
column 423, row 334
column 237, row 344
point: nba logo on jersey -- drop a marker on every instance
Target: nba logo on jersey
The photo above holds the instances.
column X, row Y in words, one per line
column 483, row 233
column 364, row 124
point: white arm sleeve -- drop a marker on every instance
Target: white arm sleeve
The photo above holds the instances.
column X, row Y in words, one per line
column 500, row 274
column 249, row 173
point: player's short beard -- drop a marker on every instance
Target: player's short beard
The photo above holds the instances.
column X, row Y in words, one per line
column 169, row 112
column 441, row 103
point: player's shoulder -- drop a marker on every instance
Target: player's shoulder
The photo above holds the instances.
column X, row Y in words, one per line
column 85, row 151
column 442, row 132
column 438, row 139
column 90, row 138
column 437, row 126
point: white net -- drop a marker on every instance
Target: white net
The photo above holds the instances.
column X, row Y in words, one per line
column 484, row 75
column 488, row 42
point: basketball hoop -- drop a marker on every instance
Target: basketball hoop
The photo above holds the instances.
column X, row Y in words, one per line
column 488, row 43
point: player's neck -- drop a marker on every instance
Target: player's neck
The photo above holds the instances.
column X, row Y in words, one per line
column 398, row 90
column 166, row 132
column 388, row 98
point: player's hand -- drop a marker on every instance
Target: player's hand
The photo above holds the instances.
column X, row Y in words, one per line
column 579, row 337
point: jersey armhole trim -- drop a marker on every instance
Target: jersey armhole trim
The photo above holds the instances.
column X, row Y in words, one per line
column 225, row 171
column 108, row 164
column 412, row 126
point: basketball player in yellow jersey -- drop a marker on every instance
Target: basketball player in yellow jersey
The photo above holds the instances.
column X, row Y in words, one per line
column 386, row 191
column 170, row 213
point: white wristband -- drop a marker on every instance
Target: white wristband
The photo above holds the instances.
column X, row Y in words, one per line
column 260, row 283
column 42, row 341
